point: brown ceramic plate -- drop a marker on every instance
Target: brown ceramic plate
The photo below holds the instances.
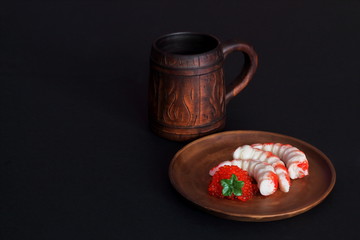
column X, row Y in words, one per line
column 189, row 174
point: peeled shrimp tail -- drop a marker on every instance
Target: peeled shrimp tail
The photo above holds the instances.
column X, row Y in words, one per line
column 247, row 152
column 295, row 160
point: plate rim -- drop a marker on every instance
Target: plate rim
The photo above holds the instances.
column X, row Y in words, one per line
column 258, row 217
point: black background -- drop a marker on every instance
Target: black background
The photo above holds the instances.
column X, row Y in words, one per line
column 77, row 158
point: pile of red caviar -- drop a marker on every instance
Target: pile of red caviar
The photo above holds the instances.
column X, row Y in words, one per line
column 248, row 190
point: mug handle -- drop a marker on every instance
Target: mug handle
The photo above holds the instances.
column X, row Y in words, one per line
column 248, row 71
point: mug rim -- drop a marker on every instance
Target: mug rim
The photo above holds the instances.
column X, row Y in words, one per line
column 154, row 45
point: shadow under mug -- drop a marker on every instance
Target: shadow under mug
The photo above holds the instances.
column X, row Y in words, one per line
column 187, row 93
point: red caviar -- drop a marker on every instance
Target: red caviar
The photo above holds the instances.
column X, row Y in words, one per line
column 248, row 190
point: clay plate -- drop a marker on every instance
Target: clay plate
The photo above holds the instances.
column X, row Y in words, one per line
column 189, row 174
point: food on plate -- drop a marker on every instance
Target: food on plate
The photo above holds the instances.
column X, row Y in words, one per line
column 263, row 173
column 260, row 167
column 295, row 160
column 246, row 152
column 231, row 182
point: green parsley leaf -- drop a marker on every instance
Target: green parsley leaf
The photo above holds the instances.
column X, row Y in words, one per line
column 226, row 191
column 232, row 186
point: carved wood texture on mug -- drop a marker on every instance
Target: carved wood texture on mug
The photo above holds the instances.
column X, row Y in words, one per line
column 188, row 101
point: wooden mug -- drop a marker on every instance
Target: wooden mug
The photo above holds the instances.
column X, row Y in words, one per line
column 187, row 93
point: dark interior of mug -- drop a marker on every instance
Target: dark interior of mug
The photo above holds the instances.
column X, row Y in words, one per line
column 186, row 43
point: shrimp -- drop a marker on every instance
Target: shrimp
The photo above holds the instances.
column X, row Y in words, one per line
column 295, row 160
column 247, row 152
column 263, row 173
